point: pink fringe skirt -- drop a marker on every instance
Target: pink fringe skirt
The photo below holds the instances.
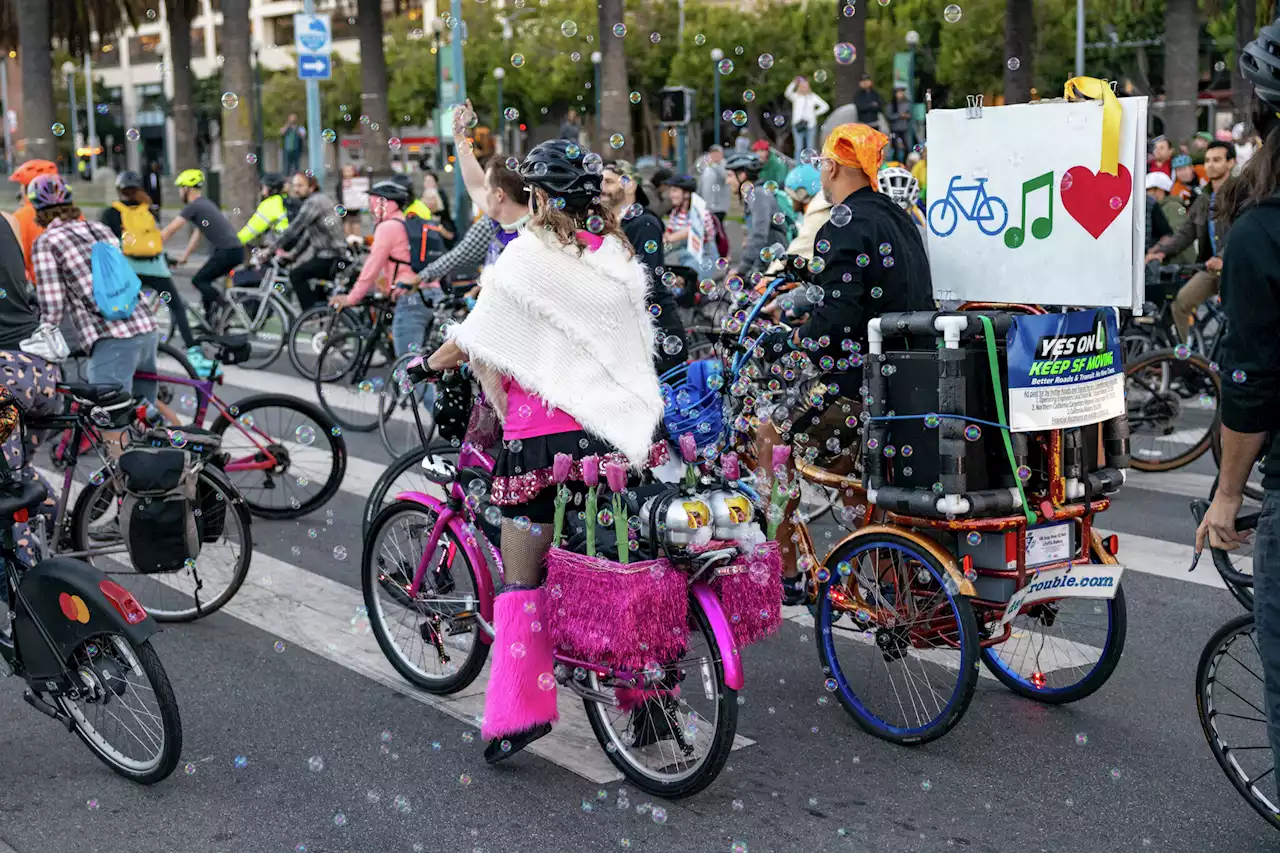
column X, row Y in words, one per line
column 750, row 591
column 621, row 616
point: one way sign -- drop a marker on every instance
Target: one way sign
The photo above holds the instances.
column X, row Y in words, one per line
column 314, row 66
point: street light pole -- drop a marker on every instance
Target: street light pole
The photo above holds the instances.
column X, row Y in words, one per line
column 498, row 74
column 596, row 57
column 460, row 206
column 1079, row 38
column 69, row 74
column 91, row 131
column 716, row 55
column 913, row 41
column 257, row 109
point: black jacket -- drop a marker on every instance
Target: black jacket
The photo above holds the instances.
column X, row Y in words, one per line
column 642, row 231
column 876, row 265
column 869, row 105
column 1250, row 287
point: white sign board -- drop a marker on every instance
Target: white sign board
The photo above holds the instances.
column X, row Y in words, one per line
column 312, row 34
column 355, row 193
column 1020, row 211
column 697, row 225
column 1085, row 581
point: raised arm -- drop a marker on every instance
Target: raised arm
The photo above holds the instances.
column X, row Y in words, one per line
column 472, row 173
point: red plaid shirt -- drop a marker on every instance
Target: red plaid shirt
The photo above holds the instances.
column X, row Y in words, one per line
column 64, row 277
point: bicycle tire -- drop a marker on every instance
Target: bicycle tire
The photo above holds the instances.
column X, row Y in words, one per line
column 1191, row 361
column 171, row 718
column 398, row 439
column 260, row 357
column 326, row 427
column 721, row 740
column 212, row 483
column 1206, row 677
column 474, row 663
column 162, row 313
column 331, row 386
column 305, row 364
column 380, row 496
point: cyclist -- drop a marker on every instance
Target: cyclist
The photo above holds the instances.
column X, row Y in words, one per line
column 133, row 219
column 1251, row 357
column 499, row 192
column 314, row 239
column 859, row 281
column 388, row 266
column 64, row 284
column 560, row 340
column 272, row 214
column 1157, row 227
column 28, row 230
column 771, row 166
column 804, row 188
column 621, row 188
column 1203, row 226
column 903, row 189
column 675, row 239
column 203, row 214
column 762, row 232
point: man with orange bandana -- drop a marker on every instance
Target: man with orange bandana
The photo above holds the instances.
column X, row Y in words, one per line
column 28, row 230
column 875, row 263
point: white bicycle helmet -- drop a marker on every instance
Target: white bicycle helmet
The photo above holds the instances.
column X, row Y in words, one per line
column 900, row 185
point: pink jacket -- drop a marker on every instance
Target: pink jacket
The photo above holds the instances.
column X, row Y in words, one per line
column 390, row 240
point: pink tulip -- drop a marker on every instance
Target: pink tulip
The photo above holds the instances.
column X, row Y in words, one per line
column 616, row 474
column 591, row 471
column 781, row 455
column 731, row 467
column 560, row 467
column 688, row 447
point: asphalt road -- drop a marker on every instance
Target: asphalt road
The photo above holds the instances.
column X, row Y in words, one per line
column 288, row 673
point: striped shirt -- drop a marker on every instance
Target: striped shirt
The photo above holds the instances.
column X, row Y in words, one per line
column 64, row 279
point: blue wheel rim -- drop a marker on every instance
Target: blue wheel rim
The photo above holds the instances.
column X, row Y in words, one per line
column 993, row 658
column 825, row 621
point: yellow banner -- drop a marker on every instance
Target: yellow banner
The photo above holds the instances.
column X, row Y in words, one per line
column 1091, row 87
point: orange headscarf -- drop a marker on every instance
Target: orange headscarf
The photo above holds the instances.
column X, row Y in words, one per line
column 858, row 146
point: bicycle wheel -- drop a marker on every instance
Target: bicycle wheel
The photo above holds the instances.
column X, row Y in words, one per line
column 1253, row 486
column 1061, row 650
column 404, row 474
column 126, row 714
column 943, row 217
column 311, row 331
column 226, row 547
column 265, row 320
column 676, row 743
column 349, row 382
column 180, row 401
column 433, row 639
column 159, row 305
column 1232, row 708
column 286, row 458
column 397, row 426
column 905, row 662
column 1173, row 399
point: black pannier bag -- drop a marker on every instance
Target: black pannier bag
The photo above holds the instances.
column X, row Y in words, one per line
column 157, row 515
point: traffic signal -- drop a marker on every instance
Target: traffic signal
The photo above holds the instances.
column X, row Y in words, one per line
column 675, row 105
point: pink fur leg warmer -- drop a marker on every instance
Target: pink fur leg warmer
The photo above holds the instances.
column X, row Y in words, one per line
column 522, row 690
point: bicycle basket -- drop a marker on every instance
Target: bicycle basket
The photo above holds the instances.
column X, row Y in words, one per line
column 247, row 277
column 157, row 516
column 692, row 401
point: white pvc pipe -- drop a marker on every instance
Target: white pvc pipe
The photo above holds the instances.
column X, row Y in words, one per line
column 875, row 340
column 951, row 327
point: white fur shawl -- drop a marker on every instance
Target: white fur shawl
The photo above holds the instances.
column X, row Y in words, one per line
column 575, row 331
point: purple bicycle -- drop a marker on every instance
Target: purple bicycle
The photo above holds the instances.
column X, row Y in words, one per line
column 429, row 591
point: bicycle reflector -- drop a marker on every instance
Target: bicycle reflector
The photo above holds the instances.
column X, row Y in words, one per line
column 123, row 601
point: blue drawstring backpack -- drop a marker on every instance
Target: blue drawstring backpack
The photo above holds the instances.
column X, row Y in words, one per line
column 115, row 285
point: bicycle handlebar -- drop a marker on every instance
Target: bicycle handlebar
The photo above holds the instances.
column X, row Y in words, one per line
column 1220, row 559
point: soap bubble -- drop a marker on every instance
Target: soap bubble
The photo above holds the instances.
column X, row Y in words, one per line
column 230, row 100
column 619, row 30
column 738, row 118
column 616, row 141
column 517, row 60
column 840, row 215
column 1014, row 63
column 58, row 128
column 132, row 134
column 845, row 53
column 328, row 134
column 951, row 14
column 1238, row 376
column 634, row 97
column 251, row 158
column 725, row 66
column 974, row 538
column 972, row 432
column 304, row 434
column 765, row 61
column 316, row 764
column 569, row 29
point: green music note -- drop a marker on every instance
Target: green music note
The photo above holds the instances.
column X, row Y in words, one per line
column 1041, row 227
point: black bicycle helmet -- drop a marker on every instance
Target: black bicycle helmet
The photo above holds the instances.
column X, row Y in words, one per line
column 1260, row 64
column 273, row 182
column 406, row 182
column 742, row 161
column 558, row 167
column 127, row 180
column 392, row 190
column 683, row 182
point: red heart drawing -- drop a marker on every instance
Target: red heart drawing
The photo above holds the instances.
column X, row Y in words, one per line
column 1095, row 199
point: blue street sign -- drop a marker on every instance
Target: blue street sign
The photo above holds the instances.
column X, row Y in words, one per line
column 312, row 33
column 314, row 67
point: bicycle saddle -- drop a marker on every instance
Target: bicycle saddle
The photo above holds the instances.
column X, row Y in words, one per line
column 98, row 393
column 16, row 496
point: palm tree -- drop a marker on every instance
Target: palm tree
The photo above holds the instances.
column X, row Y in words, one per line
column 1181, row 68
column 239, row 175
column 32, row 27
column 615, row 109
column 1246, row 25
column 1019, row 50
column 851, row 28
column 182, row 106
column 373, row 87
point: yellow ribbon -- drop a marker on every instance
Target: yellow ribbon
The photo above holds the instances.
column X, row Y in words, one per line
column 1092, row 87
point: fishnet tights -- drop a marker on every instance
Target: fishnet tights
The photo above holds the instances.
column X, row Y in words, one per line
column 524, row 553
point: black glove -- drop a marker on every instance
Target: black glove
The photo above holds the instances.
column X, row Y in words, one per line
column 775, row 343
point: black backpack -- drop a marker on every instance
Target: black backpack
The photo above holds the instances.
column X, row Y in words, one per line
column 426, row 243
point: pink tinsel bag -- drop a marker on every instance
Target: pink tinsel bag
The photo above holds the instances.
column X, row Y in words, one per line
column 750, row 591
column 483, row 429
column 623, row 616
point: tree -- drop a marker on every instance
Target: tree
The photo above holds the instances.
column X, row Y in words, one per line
column 239, row 175
column 615, row 109
column 851, row 28
column 181, row 106
column 1019, row 50
column 373, row 87
column 1181, row 68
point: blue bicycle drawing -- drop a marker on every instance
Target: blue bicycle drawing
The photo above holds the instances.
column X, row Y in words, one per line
column 990, row 212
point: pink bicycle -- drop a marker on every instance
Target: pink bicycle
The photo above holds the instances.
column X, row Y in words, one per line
column 429, row 590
